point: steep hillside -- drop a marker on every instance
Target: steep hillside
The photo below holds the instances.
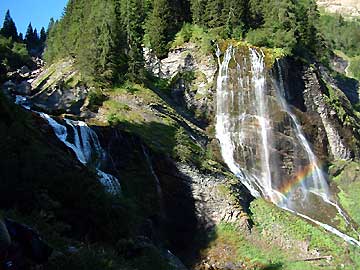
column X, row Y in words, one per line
column 233, row 141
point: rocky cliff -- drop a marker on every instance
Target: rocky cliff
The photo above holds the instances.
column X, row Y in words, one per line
column 345, row 7
column 178, row 193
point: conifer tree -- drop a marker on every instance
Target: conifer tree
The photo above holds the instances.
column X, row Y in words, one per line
column 29, row 37
column 213, row 15
column 50, row 26
column 9, row 27
column 197, row 11
column 235, row 17
column 134, row 15
column 157, row 27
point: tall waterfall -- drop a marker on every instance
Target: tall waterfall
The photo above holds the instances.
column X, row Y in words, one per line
column 262, row 141
column 85, row 144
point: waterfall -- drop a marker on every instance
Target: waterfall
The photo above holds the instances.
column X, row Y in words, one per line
column 86, row 147
column 253, row 142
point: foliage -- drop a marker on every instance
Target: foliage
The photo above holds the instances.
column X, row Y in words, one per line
column 182, row 149
column 157, row 27
column 13, row 55
column 354, row 67
column 96, row 99
column 198, row 35
column 9, row 28
column 341, row 34
column 35, row 43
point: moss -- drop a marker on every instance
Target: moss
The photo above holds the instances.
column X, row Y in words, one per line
column 242, row 46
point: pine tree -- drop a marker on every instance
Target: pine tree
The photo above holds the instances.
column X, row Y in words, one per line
column 157, row 27
column 235, row 16
column 9, row 27
column 50, row 26
column 197, row 11
column 42, row 35
column 29, row 37
column 134, row 15
column 213, row 16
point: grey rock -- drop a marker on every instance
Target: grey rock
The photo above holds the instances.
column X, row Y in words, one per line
column 24, row 88
column 24, row 71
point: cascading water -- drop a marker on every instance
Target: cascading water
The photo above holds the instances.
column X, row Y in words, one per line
column 87, row 148
column 85, row 145
column 258, row 132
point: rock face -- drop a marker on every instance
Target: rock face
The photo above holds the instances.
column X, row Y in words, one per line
column 213, row 200
column 191, row 75
column 58, row 89
column 324, row 110
column 345, row 7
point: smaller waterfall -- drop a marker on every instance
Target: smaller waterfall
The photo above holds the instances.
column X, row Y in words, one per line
column 317, row 183
column 86, row 147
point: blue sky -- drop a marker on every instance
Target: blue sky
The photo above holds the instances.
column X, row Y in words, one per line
column 38, row 12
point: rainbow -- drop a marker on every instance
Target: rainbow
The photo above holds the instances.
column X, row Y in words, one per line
column 296, row 180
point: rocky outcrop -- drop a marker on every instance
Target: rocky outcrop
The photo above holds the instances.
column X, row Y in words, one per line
column 214, row 202
column 345, row 7
column 324, row 110
column 313, row 96
column 191, row 75
column 57, row 89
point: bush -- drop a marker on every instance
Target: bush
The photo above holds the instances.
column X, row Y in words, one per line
column 96, row 99
column 355, row 67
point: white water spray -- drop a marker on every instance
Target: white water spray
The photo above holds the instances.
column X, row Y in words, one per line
column 86, row 147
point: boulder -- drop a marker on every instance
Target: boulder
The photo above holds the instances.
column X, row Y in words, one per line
column 24, row 88
column 24, row 71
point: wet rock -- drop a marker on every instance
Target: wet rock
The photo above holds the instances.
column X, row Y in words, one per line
column 24, row 88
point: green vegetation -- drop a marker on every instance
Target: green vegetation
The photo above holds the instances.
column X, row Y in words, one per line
column 354, row 67
column 276, row 223
column 96, row 98
column 345, row 176
column 13, row 55
column 229, row 243
column 341, row 34
column 116, row 39
column 162, row 131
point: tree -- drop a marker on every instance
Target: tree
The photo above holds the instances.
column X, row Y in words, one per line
column 213, row 15
column 197, row 11
column 235, row 16
column 42, row 35
column 133, row 18
column 9, row 28
column 50, row 26
column 157, row 27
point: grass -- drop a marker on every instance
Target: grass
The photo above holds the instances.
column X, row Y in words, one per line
column 140, row 111
column 345, row 176
column 229, row 244
column 276, row 222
